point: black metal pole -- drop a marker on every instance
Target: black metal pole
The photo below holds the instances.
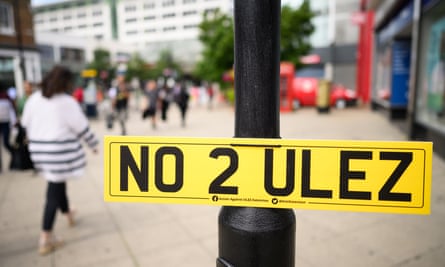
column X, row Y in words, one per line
column 256, row 237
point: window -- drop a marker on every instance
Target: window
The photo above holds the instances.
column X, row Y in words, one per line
column 130, row 8
column 122, row 56
column 97, row 13
column 134, row 32
column 149, row 5
column 131, row 20
column 168, row 3
column 81, row 15
column 149, row 17
column 72, row 54
column 6, row 19
column 67, row 29
column 210, row 10
column 190, row 26
column 150, row 30
column 431, row 72
column 82, row 26
column 46, row 52
column 189, row 13
column 188, row 1
column 168, row 29
column 53, row 19
column 169, row 15
column 67, row 17
column 99, row 24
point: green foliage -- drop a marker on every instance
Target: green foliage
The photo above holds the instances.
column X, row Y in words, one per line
column 229, row 93
column 102, row 63
column 165, row 61
column 101, row 60
column 296, row 27
column 217, row 38
column 137, row 68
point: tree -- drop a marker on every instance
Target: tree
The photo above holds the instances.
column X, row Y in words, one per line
column 137, row 68
column 296, row 28
column 217, row 38
column 102, row 64
column 101, row 60
column 165, row 61
column 216, row 35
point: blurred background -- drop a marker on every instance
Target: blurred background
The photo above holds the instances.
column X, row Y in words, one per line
column 368, row 50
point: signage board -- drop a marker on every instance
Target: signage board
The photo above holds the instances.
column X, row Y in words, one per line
column 374, row 176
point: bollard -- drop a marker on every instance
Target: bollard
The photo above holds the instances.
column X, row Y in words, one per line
column 323, row 96
column 256, row 237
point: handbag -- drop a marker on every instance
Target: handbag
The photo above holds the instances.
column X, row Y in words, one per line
column 21, row 158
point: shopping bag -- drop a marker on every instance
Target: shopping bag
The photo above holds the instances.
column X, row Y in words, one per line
column 21, row 158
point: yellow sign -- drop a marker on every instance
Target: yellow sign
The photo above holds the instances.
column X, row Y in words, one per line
column 89, row 73
column 372, row 176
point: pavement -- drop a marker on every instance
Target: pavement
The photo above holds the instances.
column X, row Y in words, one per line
column 165, row 235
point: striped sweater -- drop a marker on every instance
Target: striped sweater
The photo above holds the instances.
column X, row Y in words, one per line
column 55, row 127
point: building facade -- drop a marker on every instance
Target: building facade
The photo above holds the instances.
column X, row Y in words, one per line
column 335, row 40
column 75, row 52
column 147, row 26
column 85, row 18
column 409, row 66
column 19, row 59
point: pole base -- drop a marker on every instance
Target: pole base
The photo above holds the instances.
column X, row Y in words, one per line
column 256, row 237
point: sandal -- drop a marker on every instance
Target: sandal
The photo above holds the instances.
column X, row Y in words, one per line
column 46, row 247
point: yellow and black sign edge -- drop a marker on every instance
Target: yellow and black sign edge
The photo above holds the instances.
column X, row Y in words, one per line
column 425, row 147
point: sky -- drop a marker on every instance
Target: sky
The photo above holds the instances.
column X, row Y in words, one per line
column 40, row 2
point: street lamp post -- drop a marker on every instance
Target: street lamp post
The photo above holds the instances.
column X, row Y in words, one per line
column 256, row 237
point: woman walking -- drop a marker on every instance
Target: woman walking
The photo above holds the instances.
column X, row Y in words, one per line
column 55, row 125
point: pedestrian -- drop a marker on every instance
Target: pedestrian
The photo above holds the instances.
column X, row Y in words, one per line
column 27, row 91
column 8, row 118
column 152, row 94
column 166, row 96
column 182, row 98
column 78, row 95
column 210, row 94
column 119, row 96
column 55, row 125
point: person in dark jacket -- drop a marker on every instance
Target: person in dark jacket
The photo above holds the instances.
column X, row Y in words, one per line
column 182, row 98
column 152, row 94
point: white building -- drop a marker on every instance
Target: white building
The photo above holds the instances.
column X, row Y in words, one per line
column 75, row 52
column 149, row 26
